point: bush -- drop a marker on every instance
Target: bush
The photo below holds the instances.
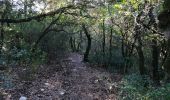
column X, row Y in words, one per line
column 115, row 62
column 136, row 87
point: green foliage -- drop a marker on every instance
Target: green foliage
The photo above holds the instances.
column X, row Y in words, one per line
column 23, row 55
column 166, row 5
column 136, row 87
column 17, row 52
column 114, row 62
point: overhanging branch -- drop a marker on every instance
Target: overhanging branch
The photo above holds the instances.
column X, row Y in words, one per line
column 38, row 17
column 47, row 30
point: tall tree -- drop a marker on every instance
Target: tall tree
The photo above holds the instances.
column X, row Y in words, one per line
column 164, row 25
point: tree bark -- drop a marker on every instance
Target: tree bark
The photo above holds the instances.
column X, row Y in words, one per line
column 1, row 38
column 71, row 44
column 167, row 61
column 164, row 25
column 79, row 45
column 110, row 47
column 141, row 57
column 104, row 39
column 155, row 62
column 86, row 54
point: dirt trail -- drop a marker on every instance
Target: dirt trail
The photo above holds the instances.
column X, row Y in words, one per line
column 75, row 81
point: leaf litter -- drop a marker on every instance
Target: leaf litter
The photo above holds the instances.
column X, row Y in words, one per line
column 70, row 79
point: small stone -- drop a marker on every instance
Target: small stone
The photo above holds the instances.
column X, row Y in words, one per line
column 110, row 87
column 47, row 84
column 42, row 90
column 23, row 98
column 61, row 92
column 96, row 81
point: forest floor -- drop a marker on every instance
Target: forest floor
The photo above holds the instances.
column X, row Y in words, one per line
column 70, row 79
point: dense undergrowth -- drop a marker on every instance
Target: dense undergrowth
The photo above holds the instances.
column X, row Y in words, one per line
column 135, row 87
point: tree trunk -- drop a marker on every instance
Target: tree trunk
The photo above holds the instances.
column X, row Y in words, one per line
column 110, row 47
column 74, row 44
column 167, row 61
column 1, row 38
column 125, row 70
column 141, row 57
column 104, row 39
column 155, row 62
column 86, row 54
column 25, row 8
column 164, row 25
column 79, row 46
column 71, row 44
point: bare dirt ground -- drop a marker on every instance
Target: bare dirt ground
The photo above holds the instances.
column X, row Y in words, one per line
column 71, row 79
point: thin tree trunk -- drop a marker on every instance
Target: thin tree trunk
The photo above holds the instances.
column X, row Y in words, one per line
column 79, row 46
column 1, row 38
column 141, row 57
column 123, row 47
column 72, row 44
column 25, row 8
column 2, row 32
column 104, row 39
column 167, row 61
column 155, row 62
column 110, row 47
column 86, row 54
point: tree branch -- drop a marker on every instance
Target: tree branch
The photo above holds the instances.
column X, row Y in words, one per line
column 38, row 17
column 46, row 31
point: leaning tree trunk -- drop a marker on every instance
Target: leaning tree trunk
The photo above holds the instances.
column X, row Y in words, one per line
column 86, row 54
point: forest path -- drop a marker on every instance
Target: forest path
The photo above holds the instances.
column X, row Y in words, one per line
column 75, row 81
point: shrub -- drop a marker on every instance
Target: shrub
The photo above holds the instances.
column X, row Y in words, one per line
column 136, row 87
